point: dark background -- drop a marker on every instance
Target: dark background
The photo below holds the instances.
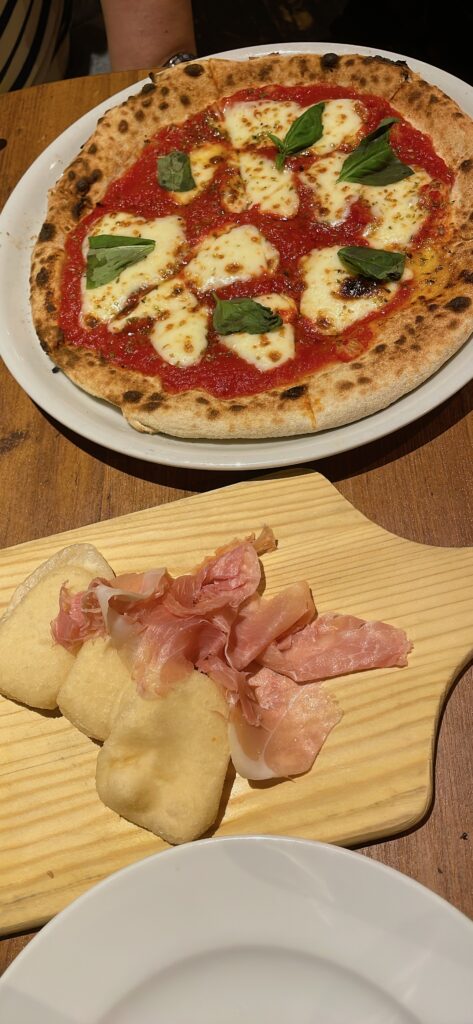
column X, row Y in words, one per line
column 442, row 36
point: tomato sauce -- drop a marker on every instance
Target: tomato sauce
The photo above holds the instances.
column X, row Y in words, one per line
column 221, row 372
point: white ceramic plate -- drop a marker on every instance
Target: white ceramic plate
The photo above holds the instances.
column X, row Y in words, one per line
column 20, row 223
column 230, row 931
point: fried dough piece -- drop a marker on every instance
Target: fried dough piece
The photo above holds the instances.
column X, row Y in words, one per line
column 90, row 693
column 164, row 764
column 33, row 667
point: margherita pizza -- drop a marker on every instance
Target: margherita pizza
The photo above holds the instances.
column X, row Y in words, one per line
column 261, row 248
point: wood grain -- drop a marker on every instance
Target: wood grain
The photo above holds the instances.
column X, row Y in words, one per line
column 373, row 776
column 417, row 483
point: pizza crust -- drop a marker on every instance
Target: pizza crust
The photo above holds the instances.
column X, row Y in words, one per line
column 407, row 348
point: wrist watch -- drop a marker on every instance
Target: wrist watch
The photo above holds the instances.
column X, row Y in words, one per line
column 179, row 58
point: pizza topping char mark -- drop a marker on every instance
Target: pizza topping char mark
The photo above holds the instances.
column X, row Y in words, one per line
column 327, row 301
column 272, row 190
column 168, row 233
column 235, row 255
column 398, row 211
column 179, row 331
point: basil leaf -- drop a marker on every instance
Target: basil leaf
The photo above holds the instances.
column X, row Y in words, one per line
column 110, row 254
column 232, row 316
column 374, row 162
column 376, row 263
column 304, row 131
column 174, row 172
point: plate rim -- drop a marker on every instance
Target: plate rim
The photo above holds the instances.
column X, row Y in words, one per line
column 322, row 856
column 76, row 410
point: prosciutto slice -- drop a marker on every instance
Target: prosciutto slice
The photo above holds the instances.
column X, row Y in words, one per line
column 268, row 655
column 294, row 724
column 334, row 645
column 253, row 633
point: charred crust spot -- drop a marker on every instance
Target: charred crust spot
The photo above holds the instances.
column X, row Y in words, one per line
column 401, row 340
column 386, row 60
column 82, row 186
column 92, row 148
column 380, row 348
column 96, row 175
column 148, row 87
column 330, row 60
column 77, row 209
column 132, row 397
column 414, row 95
column 147, row 102
column 466, row 165
column 235, row 407
column 302, row 65
column 151, row 406
column 415, row 347
column 264, row 72
column 139, row 115
column 3, row 143
column 350, row 62
column 364, row 380
column 419, row 318
column 202, row 401
column 71, row 175
column 163, row 105
column 433, row 99
column 230, row 80
column 212, row 414
column 458, row 304
column 50, row 307
column 193, row 70
column 432, row 306
column 42, row 277
column 356, row 366
column 164, row 90
column 467, row 276
column 345, row 385
column 123, row 126
column 185, row 99
column 411, row 330
column 47, row 232
column 292, row 394
column 362, row 81
column 156, row 396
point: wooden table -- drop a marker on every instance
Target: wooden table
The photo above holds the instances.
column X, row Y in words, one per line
column 417, row 483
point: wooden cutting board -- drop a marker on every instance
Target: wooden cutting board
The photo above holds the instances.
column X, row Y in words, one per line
column 374, row 775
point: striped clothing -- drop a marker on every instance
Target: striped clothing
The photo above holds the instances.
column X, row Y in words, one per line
column 34, row 41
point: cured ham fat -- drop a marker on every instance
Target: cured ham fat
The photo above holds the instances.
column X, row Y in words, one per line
column 268, row 656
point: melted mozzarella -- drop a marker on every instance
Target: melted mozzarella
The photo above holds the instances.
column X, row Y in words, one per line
column 341, row 123
column 237, row 255
column 332, row 199
column 331, row 309
column 204, row 161
column 179, row 333
column 248, row 124
column 272, row 190
column 104, row 302
column 397, row 211
column 266, row 351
